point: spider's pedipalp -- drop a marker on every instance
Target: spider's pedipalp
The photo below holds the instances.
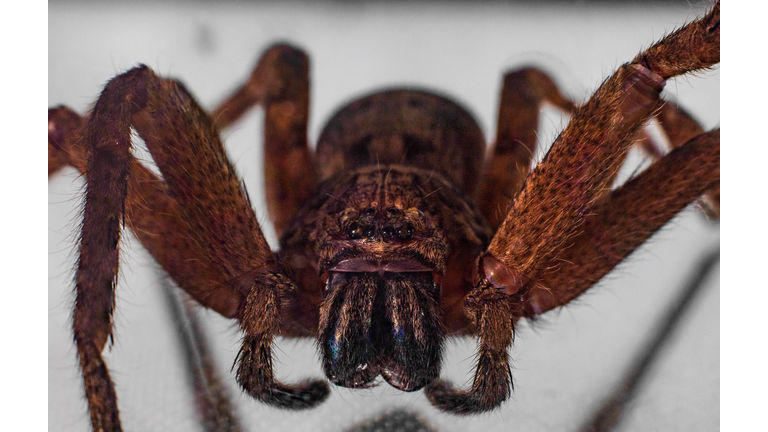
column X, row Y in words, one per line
column 254, row 373
column 493, row 317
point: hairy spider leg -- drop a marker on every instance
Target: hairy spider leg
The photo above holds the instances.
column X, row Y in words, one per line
column 210, row 200
column 156, row 221
column 550, row 210
column 62, row 124
column 578, row 269
column 509, row 162
column 616, row 226
column 280, row 83
column 679, row 127
column 153, row 217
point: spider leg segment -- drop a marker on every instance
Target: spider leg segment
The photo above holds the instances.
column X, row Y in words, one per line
column 509, row 163
column 632, row 213
column 154, row 218
column 62, row 147
column 522, row 94
column 549, row 213
column 204, row 194
column 280, row 82
column 680, row 127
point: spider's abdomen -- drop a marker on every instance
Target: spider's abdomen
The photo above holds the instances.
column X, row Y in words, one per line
column 404, row 127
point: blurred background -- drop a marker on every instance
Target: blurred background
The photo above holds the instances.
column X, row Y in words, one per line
column 562, row 367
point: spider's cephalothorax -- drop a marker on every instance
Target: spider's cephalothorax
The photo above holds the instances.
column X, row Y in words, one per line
column 399, row 230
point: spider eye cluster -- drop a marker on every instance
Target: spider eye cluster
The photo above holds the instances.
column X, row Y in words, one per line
column 391, row 224
column 402, row 232
column 389, row 232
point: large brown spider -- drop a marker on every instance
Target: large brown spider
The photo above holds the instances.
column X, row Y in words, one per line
column 356, row 266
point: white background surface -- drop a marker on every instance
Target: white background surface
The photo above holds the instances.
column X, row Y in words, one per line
column 561, row 369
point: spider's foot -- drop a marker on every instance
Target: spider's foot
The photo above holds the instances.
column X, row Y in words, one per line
column 302, row 396
column 445, row 397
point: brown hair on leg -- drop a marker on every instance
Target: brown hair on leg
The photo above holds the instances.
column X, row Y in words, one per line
column 492, row 316
column 509, row 161
column 680, row 127
column 280, row 83
column 633, row 212
column 199, row 177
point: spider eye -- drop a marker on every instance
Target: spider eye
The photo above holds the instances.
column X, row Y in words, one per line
column 355, row 232
column 370, row 231
column 388, row 232
column 405, row 232
column 370, row 211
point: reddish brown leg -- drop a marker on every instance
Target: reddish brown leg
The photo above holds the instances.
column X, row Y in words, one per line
column 280, row 83
column 154, row 218
column 62, row 124
column 633, row 212
column 680, row 127
column 509, row 163
column 550, row 210
column 93, row 308
column 183, row 142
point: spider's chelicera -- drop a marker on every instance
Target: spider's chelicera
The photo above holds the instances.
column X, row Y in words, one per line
column 399, row 230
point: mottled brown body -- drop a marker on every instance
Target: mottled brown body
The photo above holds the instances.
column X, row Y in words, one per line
column 448, row 231
column 404, row 127
column 392, row 250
